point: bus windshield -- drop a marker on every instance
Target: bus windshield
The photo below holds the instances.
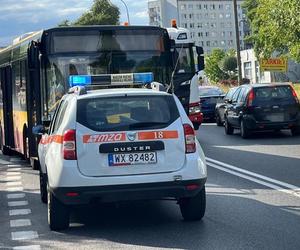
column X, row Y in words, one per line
column 185, row 63
column 103, row 54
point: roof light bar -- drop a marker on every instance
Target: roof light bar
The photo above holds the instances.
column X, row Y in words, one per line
column 111, row 79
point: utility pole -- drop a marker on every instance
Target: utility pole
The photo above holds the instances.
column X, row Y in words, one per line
column 237, row 39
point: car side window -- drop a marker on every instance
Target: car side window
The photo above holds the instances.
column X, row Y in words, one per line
column 230, row 94
column 241, row 95
column 57, row 110
column 235, row 95
column 60, row 116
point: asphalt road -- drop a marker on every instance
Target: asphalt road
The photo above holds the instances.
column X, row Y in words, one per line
column 252, row 203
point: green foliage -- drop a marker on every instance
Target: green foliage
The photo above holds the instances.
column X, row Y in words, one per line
column 102, row 12
column 275, row 26
column 220, row 65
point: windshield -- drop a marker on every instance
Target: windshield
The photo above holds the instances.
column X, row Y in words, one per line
column 184, row 59
column 210, row 91
column 103, row 52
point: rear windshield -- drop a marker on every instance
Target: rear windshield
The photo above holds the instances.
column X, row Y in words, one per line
column 273, row 94
column 210, row 91
column 127, row 112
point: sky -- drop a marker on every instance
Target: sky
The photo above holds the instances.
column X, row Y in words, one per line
column 18, row 17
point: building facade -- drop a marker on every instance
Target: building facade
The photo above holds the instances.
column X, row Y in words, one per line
column 211, row 22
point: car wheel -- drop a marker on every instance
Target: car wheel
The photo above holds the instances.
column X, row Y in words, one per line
column 228, row 128
column 295, row 131
column 58, row 213
column 196, row 126
column 245, row 133
column 218, row 120
column 193, row 208
column 43, row 187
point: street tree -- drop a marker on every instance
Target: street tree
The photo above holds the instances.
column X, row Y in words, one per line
column 275, row 27
column 221, row 65
column 102, row 12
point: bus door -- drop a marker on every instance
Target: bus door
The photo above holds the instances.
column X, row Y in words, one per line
column 33, row 95
column 6, row 80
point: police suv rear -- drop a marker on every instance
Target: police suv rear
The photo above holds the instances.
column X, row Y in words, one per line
column 120, row 144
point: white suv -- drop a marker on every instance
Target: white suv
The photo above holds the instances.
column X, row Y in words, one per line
column 120, row 144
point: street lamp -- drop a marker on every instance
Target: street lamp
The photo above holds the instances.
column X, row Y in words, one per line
column 237, row 39
column 126, row 11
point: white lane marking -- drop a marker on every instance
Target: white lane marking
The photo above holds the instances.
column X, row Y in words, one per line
column 267, row 184
column 15, row 196
column 17, row 203
column 13, row 168
column 19, row 211
column 14, row 183
column 13, row 178
column 31, row 247
column 20, row 223
column 8, row 174
column 14, row 189
column 24, row 235
column 284, row 184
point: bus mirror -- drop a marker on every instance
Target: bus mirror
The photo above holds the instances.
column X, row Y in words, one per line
column 39, row 130
column 200, row 63
column 199, row 50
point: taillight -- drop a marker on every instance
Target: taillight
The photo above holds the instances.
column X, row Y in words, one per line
column 251, row 97
column 69, row 145
column 295, row 94
column 189, row 135
column 194, row 108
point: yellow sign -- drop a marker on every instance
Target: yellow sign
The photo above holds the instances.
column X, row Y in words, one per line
column 274, row 64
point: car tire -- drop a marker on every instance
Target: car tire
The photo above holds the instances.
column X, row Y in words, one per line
column 193, row 208
column 228, row 128
column 245, row 133
column 43, row 187
column 196, row 126
column 295, row 131
column 218, row 120
column 58, row 213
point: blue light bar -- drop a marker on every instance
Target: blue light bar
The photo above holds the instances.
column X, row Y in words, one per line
column 143, row 78
column 80, row 80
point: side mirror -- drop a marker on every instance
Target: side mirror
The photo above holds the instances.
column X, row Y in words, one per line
column 199, row 50
column 201, row 65
column 39, row 130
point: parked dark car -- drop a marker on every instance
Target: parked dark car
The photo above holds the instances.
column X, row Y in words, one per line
column 209, row 96
column 221, row 105
column 263, row 107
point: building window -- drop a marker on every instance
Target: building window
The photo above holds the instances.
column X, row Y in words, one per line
column 208, row 43
column 221, row 15
column 190, row 6
column 198, row 6
column 215, row 43
column 192, row 25
column 229, row 25
column 220, row 6
column 206, row 33
column 213, row 15
column 200, row 34
column 223, row 43
column 191, row 16
column 183, row 7
column 205, row 6
column 199, row 16
column 222, row 25
column 213, row 34
column 228, row 15
column 230, row 33
column 200, row 25
column 230, row 42
column 212, row 6
column 247, row 70
column 223, row 34
column 213, row 25
column 227, row 6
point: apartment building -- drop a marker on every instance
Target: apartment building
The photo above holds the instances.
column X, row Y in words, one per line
column 211, row 22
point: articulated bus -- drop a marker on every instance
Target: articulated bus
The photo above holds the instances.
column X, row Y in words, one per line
column 34, row 72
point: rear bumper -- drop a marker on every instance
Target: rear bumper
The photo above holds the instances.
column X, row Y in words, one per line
column 252, row 124
column 209, row 114
column 112, row 193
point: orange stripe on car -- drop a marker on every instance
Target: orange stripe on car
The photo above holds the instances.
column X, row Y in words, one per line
column 52, row 138
column 152, row 135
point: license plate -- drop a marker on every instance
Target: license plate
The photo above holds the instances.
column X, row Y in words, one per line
column 132, row 159
column 276, row 118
